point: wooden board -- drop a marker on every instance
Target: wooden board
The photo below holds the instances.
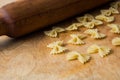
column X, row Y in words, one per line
column 28, row 58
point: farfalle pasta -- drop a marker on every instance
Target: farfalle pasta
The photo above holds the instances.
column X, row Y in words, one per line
column 74, row 26
column 54, row 32
column 115, row 5
column 92, row 24
column 83, row 58
column 101, row 50
column 57, row 50
column 57, row 47
column 105, row 18
column 115, row 28
column 85, row 18
column 109, row 12
column 116, row 41
column 51, row 33
column 77, row 39
column 95, row 34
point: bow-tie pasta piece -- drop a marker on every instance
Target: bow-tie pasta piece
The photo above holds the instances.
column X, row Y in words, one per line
column 113, row 10
column 104, row 51
column 83, row 58
column 56, row 43
column 105, row 18
column 72, row 55
column 85, row 18
column 74, row 26
column 115, row 28
column 95, row 34
column 58, row 29
column 51, row 33
column 97, row 22
column 115, row 5
column 89, row 24
column 57, row 50
column 77, row 39
column 106, row 12
column 93, row 49
column 116, row 41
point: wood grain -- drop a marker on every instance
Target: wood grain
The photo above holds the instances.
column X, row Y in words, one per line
column 28, row 58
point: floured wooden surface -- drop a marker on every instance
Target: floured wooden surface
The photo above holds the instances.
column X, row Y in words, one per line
column 29, row 59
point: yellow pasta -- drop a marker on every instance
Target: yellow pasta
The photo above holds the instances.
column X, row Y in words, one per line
column 116, row 41
column 95, row 34
column 85, row 18
column 58, row 29
column 115, row 5
column 115, row 28
column 106, row 12
column 101, row 50
column 93, row 49
column 74, row 26
column 76, row 39
column 57, row 50
column 56, row 43
column 72, row 55
column 105, row 18
column 92, row 24
column 51, row 33
column 113, row 10
column 83, row 58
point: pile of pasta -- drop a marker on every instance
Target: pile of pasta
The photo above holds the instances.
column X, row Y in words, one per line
column 90, row 22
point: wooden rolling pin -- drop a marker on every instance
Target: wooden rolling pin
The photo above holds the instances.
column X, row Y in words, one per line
column 24, row 16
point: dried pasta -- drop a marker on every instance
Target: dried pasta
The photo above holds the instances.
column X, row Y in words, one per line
column 116, row 41
column 92, row 24
column 58, row 29
column 56, row 43
column 74, row 26
column 101, row 50
column 83, row 58
column 57, row 50
column 115, row 5
column 93, row 49
column 105, row 18
column 57, row 47
column 95, row 34
column 85, row 18
column 77, row 39
column 113, row 10
column 51, row 33
column 115, row 28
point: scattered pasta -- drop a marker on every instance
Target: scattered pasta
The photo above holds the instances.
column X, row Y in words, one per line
column 56, row 43
column 57, row 50
column 74, row 26
column 58, row 29
column 101, row 50
column 116, row 41
column 109, row 12
column 92, row 24
column 83, row 58
column 85, row 18
column 54, row 32
column 51, row 33
column 95, row 34
column 77, row 39
column 57, row 47
column 115, row 28
column 115, row 5
column 105, row 18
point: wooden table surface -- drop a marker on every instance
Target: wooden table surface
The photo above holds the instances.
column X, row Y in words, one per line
column 28, row 58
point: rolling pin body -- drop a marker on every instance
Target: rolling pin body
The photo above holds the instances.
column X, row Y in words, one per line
column 25, row 16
